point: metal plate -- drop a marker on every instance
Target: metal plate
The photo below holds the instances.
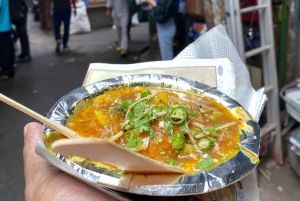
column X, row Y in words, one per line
column 163, row 185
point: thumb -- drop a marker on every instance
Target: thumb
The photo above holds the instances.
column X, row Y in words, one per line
column 32, row 134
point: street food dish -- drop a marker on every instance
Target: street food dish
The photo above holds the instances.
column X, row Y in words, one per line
column 173, row 127
column 170, row 119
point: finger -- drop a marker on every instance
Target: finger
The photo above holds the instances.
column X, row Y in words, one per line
column 32, row 134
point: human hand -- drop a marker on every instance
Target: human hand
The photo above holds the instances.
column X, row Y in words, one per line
column 151, row 2
column 108, row 12
column 46, row 182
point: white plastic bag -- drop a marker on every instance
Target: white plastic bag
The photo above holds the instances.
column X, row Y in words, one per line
column 135, row 20
column 80, row 23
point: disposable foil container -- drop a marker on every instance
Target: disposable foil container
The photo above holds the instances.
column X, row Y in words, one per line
column 160, row 185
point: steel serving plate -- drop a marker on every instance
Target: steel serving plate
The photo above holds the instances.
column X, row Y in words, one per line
column 162, row 185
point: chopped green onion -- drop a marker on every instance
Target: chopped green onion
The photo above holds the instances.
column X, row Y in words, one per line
column 205, row 144
column 178, row 141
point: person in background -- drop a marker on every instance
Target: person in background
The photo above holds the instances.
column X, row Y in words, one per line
column 62, row 13
column 132, row 10
column 19, row 9
column 180, row 26
column 166, row 32
column 119, row 10
column 6, row 44
column 44, row 182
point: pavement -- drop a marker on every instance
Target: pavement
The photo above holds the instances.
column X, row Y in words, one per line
column 39, row 83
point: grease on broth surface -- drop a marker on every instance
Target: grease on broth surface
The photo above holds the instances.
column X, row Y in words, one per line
column 174, row 127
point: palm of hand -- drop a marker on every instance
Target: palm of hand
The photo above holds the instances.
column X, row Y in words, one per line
column 46, row 182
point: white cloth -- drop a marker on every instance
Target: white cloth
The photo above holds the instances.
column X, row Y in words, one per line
column 120, row 15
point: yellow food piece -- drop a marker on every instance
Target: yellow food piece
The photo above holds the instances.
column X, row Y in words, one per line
column 101, row 116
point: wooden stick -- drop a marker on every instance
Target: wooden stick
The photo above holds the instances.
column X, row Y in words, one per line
column 58, row 127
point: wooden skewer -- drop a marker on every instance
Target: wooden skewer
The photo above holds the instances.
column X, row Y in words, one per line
column 96, row 148
column 58, row 127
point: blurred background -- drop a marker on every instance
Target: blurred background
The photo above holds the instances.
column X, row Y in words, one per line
column 264, row 32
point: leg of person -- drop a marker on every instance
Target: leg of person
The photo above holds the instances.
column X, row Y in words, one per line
column 180, row 31
column 116, row 21
column 66, row 20
column 22, row 33
column 128, row 28
column 6, row 56
column 166, row 33
column 56, row 25
column 15, row 36
column 124, row 36
column 119, row 35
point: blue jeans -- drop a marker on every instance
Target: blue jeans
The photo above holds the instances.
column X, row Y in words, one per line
column 58, row 18
column 166, row 33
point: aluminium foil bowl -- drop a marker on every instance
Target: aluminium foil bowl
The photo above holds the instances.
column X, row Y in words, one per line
column 205, row 181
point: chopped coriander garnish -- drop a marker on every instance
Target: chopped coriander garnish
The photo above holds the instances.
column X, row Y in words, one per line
column 162, row 152
column 152, row 133
column 139, row 109
column 125, row 104
column 192, row 112
column 168, row 128
column 171, row 161
column 206, row 162
column 213, row 131
column 141, row 122
column 133, row 144
column 158, row 139
column 145, row 93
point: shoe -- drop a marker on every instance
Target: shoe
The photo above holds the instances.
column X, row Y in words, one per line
column 123, row 53
column 5, row 77
column 57, row 49
column 118, row 49
column 20, row 56
column 25, row 59
column 66, row 49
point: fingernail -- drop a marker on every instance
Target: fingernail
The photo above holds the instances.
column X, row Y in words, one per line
column 25, row 130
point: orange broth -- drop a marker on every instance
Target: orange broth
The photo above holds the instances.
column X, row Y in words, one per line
column 207, row 112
